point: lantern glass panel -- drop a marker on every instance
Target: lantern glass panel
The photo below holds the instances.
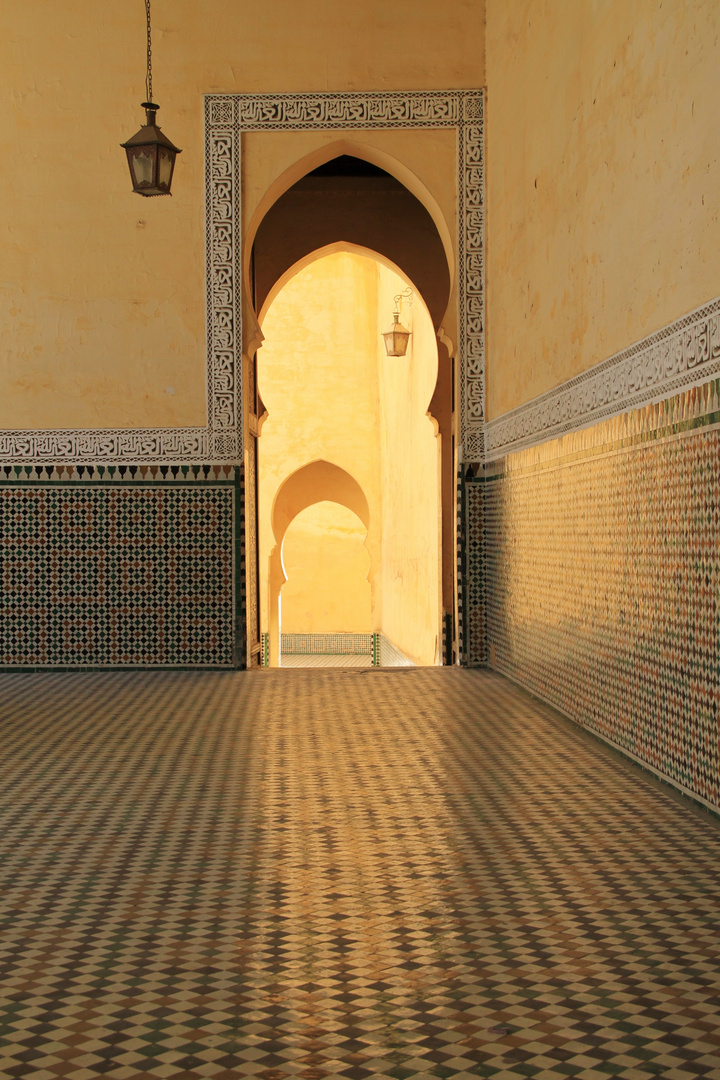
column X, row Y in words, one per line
column 142, row 166
column 165, row 167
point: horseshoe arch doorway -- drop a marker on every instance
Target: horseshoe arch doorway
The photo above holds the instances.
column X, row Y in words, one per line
column 404, row 133
column 350, row 210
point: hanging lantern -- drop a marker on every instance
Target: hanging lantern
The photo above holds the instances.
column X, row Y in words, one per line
column 397, row 337
column 151, row 155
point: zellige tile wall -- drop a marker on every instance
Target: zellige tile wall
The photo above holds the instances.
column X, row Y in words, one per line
column 116, row 567
column 328, row 644
column 603, row 580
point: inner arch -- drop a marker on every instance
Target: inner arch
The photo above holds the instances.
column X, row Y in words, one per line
column 322, row 253
column 348, row 425
column 320, row 481
column 342, row 200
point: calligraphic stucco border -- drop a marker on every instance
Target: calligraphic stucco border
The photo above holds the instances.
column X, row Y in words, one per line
column 683, row 354
column 461, row 110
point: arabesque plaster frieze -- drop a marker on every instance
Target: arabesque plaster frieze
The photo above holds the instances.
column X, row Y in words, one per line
column 174, row 445
column 684, row 354
column 461, row 110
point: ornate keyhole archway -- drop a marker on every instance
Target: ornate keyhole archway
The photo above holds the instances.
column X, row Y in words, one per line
column 331, row 393
column 232, row 425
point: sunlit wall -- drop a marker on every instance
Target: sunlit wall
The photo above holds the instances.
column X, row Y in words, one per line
column 603, row 182
column 327, row 564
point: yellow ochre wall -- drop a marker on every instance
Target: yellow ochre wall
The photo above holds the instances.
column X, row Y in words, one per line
column 102, row 306
column 332, row 394
column 603, row 181
column 327, row 566
column 410, row 484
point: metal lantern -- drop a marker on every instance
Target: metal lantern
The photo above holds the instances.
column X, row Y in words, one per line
column 396, row 338
column 151, row 156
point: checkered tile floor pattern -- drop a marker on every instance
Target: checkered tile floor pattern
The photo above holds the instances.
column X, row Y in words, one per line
column 325, row 873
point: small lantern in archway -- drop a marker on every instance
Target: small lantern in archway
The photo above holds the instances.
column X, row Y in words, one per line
column 151, row 155
column 397, row 337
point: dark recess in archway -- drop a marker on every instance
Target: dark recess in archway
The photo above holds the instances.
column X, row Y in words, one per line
column 349, row 199
column 346, row 165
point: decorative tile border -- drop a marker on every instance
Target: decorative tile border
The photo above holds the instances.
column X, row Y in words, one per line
column 447, row 639
column 62, row 472
column 113, row 568
column 460, row 564
column 227, row 116
column 684, row 354
column 106, row 445
column 691, row 411
column 326, row 644
column 474, row 557
column 382, row 650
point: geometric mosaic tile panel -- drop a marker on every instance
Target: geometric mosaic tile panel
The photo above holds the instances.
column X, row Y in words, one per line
column 326, row 643
column 419, row 874
column 379, row 647
column 96, row 574
column 473, row 580
column 603, row 582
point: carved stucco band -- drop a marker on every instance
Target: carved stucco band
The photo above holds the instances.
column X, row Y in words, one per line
column 682, row 355
column 223, row 277
column 471, row 279
column 226, row 117
column 461, row 110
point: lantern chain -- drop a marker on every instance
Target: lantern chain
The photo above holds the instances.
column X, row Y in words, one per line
column 148, row 77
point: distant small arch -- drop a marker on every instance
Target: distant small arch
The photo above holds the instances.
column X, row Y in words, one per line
column 337, row 505
column 319, row 481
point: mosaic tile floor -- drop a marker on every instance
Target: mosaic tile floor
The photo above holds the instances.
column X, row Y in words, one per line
column 323, row 873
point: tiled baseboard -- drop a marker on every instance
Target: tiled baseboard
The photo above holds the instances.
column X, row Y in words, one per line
column 327, row 644
column 382, row 650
